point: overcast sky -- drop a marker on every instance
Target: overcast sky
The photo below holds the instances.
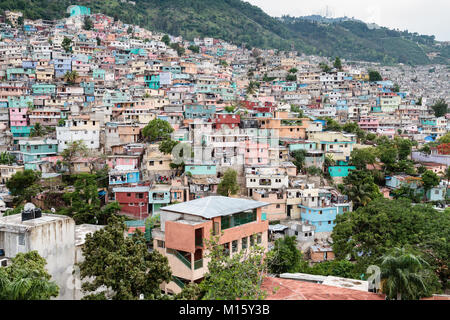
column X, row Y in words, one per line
column 430, row 17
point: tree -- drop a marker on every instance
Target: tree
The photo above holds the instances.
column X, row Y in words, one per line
column 123, row 265
column 396, row 88
column 360, row 187
column 233, row 277
column 74, row 149
column 7, row 158
column 402, row 275
column 84, row 205
column 324, row 67
column 404, row 147
column 369, row 232
column 166, row 39
column 429, row 180
column 24, row 184
column 337, row 64
column 70, row 77
column 27, row 279
column 157, row 130
column 291, row 77
column 374, row 76
column 228, row 185
column 87, row 23
column 285, row 257
column 440, row 108
column 360, row 158
column 166, row 146
column 37, row 130
column 99, row 41
column 130, row 30
column 299, row 159
column 293, row 70
column 195, row 49
column 66, row 44
column 251, row 88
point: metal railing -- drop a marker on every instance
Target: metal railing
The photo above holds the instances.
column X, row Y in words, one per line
column 198, row 264
column 178, row 282
column 182, row 258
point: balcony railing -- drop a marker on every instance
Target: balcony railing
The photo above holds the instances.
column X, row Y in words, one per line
column 198, row 264
column 178, row 282
column 182, row 258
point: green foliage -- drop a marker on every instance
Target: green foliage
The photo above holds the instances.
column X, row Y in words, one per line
column 166, row 39
column 360, row 187
column 403, row 275
column 440, row 108
column 24, row 184
column 73, row 150
column 70, row 77
column 122, row 264
column 299, row 159
column 337, row 64
column 291, row 77
column 285, row 257
column 324, row 67
column 7, row 158
column 293, row 70
column 179, row 49
column 374, row 76
column 228, row 185
column 27, row 279
column 66, row 44
column 193, row 48
column 233, row 277
column 84, row 205
column 87, row 23
column 369, row 232
column 430, row 180
column 240, row 22
column 157, row 130
column 360, row 158
column 166, row 146
column 396, row 88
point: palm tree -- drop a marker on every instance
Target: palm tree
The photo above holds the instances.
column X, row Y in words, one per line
column 6, row 158
column 70, row 77
column 401, row 274
column 37, row 131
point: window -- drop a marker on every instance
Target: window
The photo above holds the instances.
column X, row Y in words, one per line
column 161, row 244
column 244, row 243
column 128, row 194
column 278, row 206
column 21, row 239
column 151, row 163
column 216, row 228
column 259, row 237
column 234, row 246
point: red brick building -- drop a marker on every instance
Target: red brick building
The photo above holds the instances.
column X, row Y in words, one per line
column 133, row 200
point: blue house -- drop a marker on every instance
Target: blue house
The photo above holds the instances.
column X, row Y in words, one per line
column 193, row 111
column 159, row 196
column 118, row 177
column 33, row 151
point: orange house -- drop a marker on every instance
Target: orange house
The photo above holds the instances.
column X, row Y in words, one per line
column 240, row 223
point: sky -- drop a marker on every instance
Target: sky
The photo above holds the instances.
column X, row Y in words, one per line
column 429, row 17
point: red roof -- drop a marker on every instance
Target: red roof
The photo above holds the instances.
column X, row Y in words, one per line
column 288, row 289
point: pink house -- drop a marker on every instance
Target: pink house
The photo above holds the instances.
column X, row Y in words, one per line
column 369, row 124
column 18, row 117
column 255, row 152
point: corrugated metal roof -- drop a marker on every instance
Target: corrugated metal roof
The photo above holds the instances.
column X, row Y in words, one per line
column 214, row 206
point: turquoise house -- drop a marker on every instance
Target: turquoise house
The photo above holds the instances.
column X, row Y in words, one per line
column 78, row 11
column 159, row 197
column 152, row 81
column 340, row 170
column 201, row 169
column 33, row 151
column 20, row 131
column 20, row 102
column 199, row 111
column 43, row 89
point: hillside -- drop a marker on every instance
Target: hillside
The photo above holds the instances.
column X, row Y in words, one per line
column 240, row 22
